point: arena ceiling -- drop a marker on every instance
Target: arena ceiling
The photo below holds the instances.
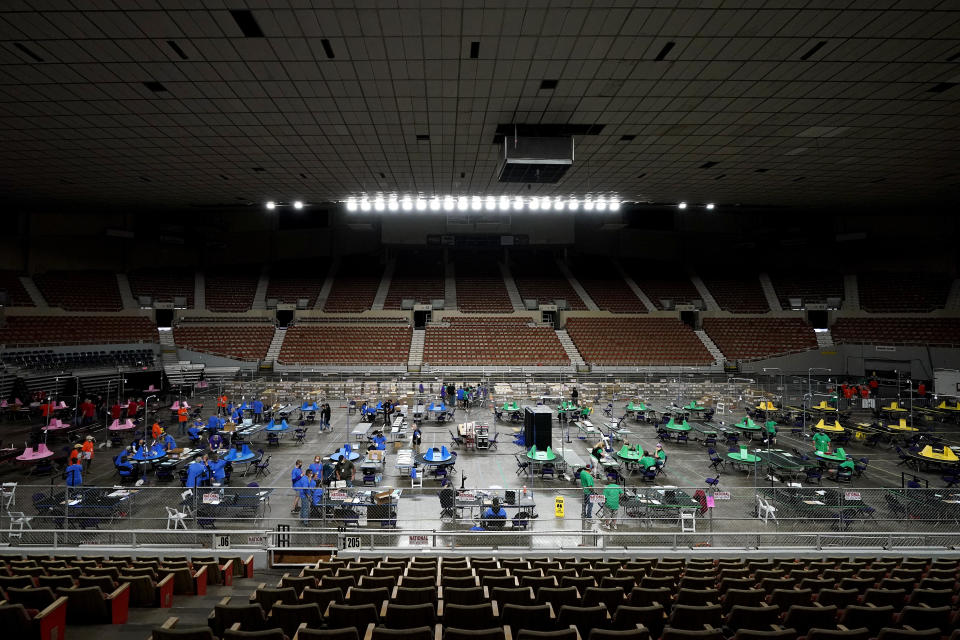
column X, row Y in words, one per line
column 176, row 103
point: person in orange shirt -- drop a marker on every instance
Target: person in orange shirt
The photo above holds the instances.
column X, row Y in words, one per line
column 75, row 454
column 182, row 419
column 86, row 452
column 156, row 430
column 222, row 404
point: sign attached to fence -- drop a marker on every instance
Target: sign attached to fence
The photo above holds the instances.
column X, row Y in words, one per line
column 257, row 541
column 851, row 495
column 558, row 506
column 597, row 498
column 419, row 540
column 338, row 496
column 466, row 496
column 211, row 498
column 349, row 542
column 221, row 542
column 721, row 495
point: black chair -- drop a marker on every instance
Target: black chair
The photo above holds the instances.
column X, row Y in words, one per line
column 583, row 618
column 533, row 617
column 469, row 616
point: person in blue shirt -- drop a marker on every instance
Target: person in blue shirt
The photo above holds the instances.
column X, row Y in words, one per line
column 74, row 474
column 304, row 486
column 236, row 416
column 215, row 442
column 257, row 410
column 169, row 444
column 316, row 465
column 317, row 498
column 197, row 472
column 216, row 467
column 494, row 513
column 417, row 438
column 295, row 474
column 123, row 465
column 327, row 473
column 194, row 434
column 230, row 408
column 420, row 388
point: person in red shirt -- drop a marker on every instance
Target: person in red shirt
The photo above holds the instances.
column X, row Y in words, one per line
column 222, row 405
column 87, row 411
column 47, row 409
column 874, row 385
column 182, row 418
column 116, row 411
column 132, row 409
column 847, row 394
column 864, row 392
column 922, row 392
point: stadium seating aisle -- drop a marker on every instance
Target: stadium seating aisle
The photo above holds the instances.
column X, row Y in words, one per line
column 416, row 276
column 637, row 341
column 539, row 278
column 610, row 293
column 350, row 344
column 231, row 291
column 17, row 296
column 480, row 287
column 355, row 285
column 740, row 293
column 660, row 286
column 492, row 341
column 748, row 338
column 243, row 342
column 80, row 290
column 809, row 287
column 291, row 282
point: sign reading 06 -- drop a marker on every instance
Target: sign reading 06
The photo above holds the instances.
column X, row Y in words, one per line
column 558, row 506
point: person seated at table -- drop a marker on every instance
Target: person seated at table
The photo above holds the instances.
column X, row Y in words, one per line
column 494, row 517
column 379, row 442
column 647, row 461
column 661, row 456
column 821, row 442
column 156, row 430
column 229, row 408
column 844, row 468
column 217, row 468
column 195, row 435
column 197, row 473
column 169, row 444
column 417, row 438
column 215, row 442
column 74, row 474
column 317, row 465
column 123, row 466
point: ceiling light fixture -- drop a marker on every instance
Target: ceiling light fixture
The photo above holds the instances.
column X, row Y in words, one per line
column 297, row 204
column 710, row 206
column 682, row 205
column 271, row 205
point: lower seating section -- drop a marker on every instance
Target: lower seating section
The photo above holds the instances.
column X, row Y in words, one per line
column 738, row 294
column 618, row 596
column 80, row 290
column 900, row 293
column 661, row 286
column 230, row 291
column 163, row 285
column 809, row 287
column 921, row 331
column 632, row 341
column 17, row 296
column 604, row 285
column 57, row 330
column 353, row 344
column 480, row 287
column 539, row 278
column 500, row 341
column 355, row 286
column 49, row 360
column 291, row 282
column 240, row 342
column 747, row 338
column 417, row 276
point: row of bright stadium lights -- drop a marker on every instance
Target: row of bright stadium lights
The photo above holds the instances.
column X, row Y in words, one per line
column 477, row 203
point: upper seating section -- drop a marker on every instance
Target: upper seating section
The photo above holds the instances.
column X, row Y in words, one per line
column 80, row 290
column 163, row 284
column 242, row 342
column 417, row 276
column 56, row 330
column 921, row 331
column 480, row 286
column 809, row 287
column 231, row 291
column 289, row 283
column 602, row 281
column 660, row 283
column 17, row 296
column 355, row 285
column 351, row 344
column 738, row 294
column 538, row 277
column 49, row 360
column 492, row 341
column 902, row 293
column 633, row 342
column 748, row 338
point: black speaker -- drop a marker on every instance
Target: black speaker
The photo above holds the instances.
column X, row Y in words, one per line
column 538, row 427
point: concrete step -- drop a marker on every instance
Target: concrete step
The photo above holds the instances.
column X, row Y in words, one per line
column 824, row 339
column 276, row 344
column 711, row 346
column 199, row 289
column 449, row 287
column 567, row 342
column 587, row 300
column 33, row 291
column 953, row 298
column 384, row 288
column 126, row 293
column 260, row 297
column 512, row 290
column 851, row 293
column 327, row 284
column 631, row 283
column 770, row 293
column 709, row 302
column 415, row 357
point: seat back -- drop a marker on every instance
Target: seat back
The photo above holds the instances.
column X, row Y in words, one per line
column 15, row 621
column 31, row 597
column 86, row 605
column 410, row 616
column 468, row 616
column 289, row 616
column 266, row 597
column 322, row 597
column 533, row 617
column 347, row 615
column 249, row 616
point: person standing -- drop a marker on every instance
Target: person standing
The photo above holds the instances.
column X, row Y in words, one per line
column 222, row 405
column 305, row 485
column 257, row 411
column 575, row 397
column 86, row 452
column 182, row 416
column 295, row 474
column 611, row 494
column 586, row 481
column 821, row 442
column 87, row 411
column 325, row 416
column 346, row 470
column 417, row 438
column 74, row 474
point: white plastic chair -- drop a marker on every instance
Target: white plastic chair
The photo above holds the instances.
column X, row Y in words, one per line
column 416, row 478
column 18, row 520
column 688, row 521
column 177, row 518
column 8, row 494
column 765, row 510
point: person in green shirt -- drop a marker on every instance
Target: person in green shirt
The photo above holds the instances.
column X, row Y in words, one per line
column 647, row 461
column 661, row 457
column 586, row 481
column 821, row 441
column 612, row 493
column 771, row 426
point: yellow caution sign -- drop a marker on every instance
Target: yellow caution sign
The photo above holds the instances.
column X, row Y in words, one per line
column 558, row 506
